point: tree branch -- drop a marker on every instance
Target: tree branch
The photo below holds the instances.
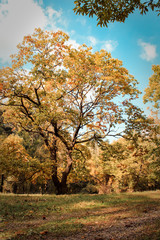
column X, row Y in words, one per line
column 26, row 111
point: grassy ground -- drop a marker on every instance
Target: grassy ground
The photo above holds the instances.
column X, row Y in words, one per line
column 114, row 216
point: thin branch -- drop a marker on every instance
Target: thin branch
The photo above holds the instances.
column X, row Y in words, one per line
column 26, row 97
column 77, row 149
column 57, row 134
column 36, row 92
column 86, row 140
column 13, row 105
column 26, row 110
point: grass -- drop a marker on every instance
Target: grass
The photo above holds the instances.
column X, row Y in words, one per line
column 37, row 216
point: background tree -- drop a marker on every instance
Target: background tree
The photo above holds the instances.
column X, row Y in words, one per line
column 131, row 166
column 66, row 96
column 113, row 10
column 4, row 132
column 152, row 92
column 15, row 162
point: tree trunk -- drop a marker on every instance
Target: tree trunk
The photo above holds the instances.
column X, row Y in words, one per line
column 61, row 186
column 54, row 167
column 106, row 185
column 65, row 174
column 2, row 183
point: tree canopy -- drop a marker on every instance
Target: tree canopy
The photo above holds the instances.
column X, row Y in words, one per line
column 67, row 96
column 113, row 10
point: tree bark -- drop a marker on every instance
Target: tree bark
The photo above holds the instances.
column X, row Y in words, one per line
column 61, row 186
column 2, row 183
column 66, row 173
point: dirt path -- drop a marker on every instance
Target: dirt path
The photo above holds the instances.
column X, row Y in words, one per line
column 128, row 228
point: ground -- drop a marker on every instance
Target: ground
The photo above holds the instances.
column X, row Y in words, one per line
column 124, row 228
column 91, row 217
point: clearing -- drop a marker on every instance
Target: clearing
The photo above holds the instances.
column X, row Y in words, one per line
column 81, row 216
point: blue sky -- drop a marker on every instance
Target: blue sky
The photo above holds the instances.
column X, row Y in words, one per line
column 136, row 42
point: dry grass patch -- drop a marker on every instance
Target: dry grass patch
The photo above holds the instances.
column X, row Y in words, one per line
column 84, row 205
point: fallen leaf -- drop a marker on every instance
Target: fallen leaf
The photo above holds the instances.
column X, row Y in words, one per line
column 44, row 232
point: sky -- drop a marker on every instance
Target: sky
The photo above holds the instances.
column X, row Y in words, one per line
column 136, row 42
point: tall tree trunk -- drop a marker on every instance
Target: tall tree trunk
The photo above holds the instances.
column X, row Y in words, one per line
column 55, row 179
column 66, row 173
column 61, row 186
column 2, row 183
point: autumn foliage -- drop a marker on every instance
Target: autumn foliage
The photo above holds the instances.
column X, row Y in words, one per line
column 68, row 97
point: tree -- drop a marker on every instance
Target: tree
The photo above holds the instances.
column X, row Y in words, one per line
column 152, row 92
column 67, row 96
column 113, row 10
column 133, row 166
column 4, row 132
column 16, row 162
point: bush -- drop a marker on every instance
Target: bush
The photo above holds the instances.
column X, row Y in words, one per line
column 90, row 188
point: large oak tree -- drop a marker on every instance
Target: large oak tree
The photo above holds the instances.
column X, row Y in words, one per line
column 68, row 96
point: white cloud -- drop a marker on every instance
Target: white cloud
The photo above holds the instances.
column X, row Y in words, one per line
column 19, row 18
column 110, row 45
column 148, row 50
column 53, row 13
column 92, row 40
column 40, row 2
column 73, row 43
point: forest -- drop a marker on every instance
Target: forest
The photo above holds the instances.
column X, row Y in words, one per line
column 60, row 109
